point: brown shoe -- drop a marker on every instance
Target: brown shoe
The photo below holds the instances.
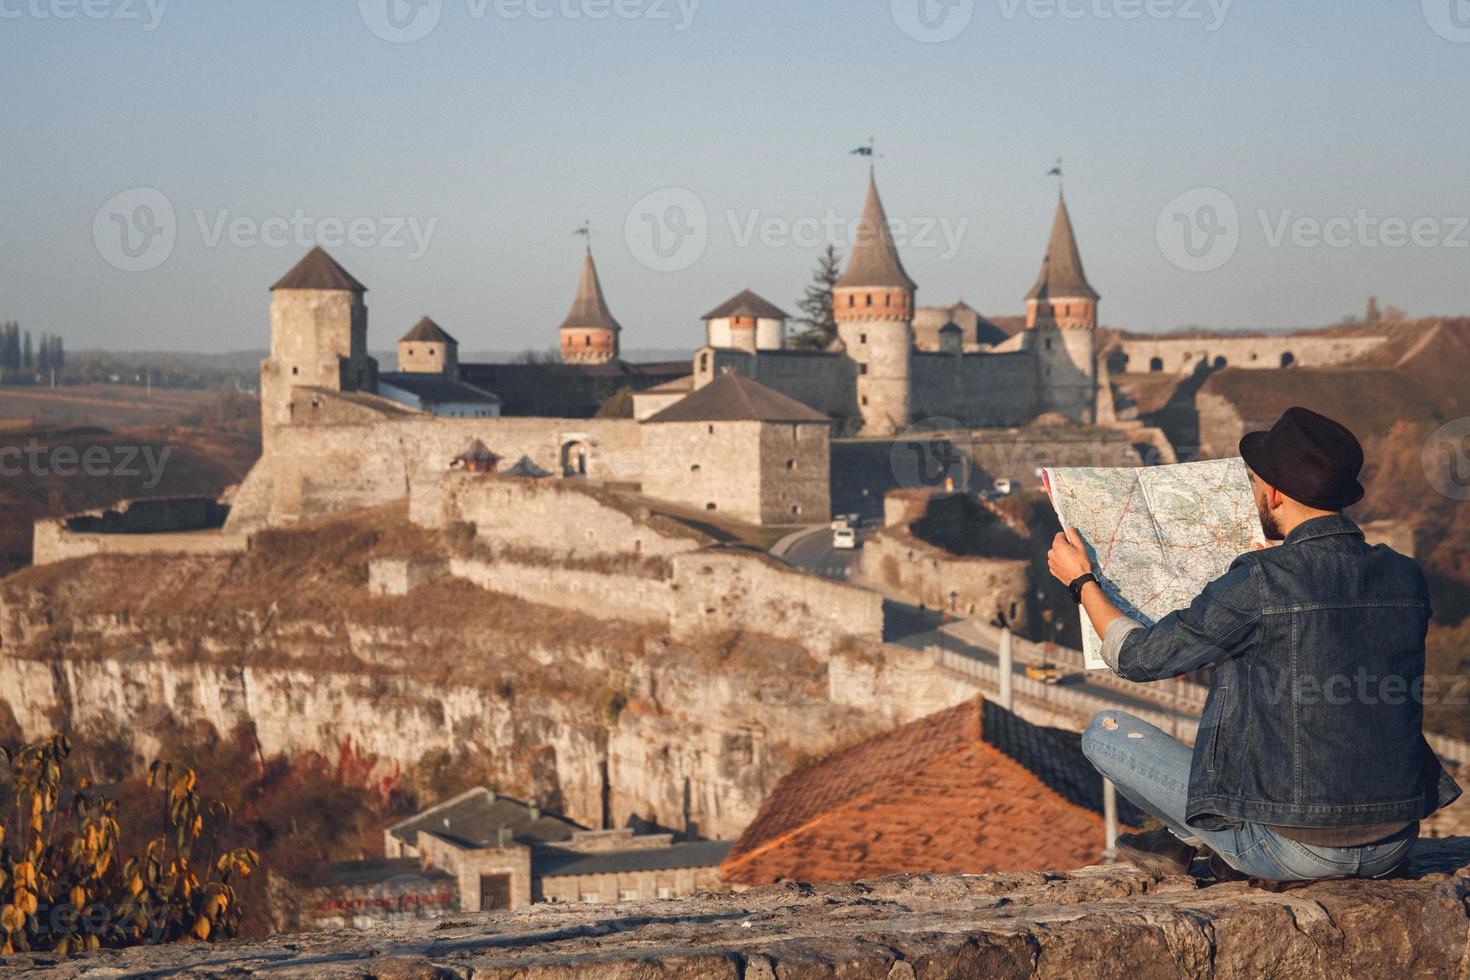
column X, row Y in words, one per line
column 1158, row 852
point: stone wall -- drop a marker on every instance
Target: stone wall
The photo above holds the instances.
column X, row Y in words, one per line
column 931, row 576
column 55, row 539
column 709, row 466
column 821, row 380
column 717, row 591
column 1113, row 921
column 1183, row 355
column 640, row 886
column 796, row 473
column 549, row 515
column 314, row 470
column 975, row 389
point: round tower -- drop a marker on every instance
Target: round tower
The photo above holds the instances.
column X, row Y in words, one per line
column 318, row 338
column 589, row 334
column 873, row 305
column 1061, row 324
column 746, row 322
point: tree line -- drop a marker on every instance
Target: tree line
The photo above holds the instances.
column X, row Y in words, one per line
column 22, row 359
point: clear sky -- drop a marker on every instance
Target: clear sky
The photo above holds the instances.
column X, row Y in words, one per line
column 216, row 139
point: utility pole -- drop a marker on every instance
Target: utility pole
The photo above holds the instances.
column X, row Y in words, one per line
column 1110, row 821
column 1007, row 664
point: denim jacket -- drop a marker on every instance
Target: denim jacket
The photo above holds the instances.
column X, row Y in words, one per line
column 1315, row 715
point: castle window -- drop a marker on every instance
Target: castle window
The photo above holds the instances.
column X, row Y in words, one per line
column 710, row 506
column 410, row 352
column 587, row 341
column 295, row 370
column 1048, row 343
column 694, row 468
column 795, row 509
column 791, row 466
column 862, row 369
column 887, row 299
column 865, row 401
column 851, row 300
column 704, row 362
column 870, row 299
column 862, row 338
column 712, row 430
column 1156, row 364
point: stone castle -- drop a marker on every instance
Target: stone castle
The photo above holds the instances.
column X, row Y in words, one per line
column 891, row 364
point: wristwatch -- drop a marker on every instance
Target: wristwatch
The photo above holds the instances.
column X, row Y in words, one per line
column 1076, row 587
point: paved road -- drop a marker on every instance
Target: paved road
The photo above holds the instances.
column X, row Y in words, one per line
column 814, row 553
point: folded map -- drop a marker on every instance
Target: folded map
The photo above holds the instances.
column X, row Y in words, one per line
column 1158, row 534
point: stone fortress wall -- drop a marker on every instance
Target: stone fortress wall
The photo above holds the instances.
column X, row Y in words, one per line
column 579, row 549
column 1184, row 355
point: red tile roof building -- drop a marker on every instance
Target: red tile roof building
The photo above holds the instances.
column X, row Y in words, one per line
column 937, row 795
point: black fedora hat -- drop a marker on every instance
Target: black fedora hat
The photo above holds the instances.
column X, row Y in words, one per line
column 1308, row 457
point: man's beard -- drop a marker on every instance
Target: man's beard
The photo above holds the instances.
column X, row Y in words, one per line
column 1269, row 524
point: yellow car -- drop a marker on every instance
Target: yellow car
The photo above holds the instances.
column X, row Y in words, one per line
column 1047, row 673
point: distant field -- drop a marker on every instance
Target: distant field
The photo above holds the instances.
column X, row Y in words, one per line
column 198, row 442
column 112, row 406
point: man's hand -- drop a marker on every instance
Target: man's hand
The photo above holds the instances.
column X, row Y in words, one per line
column 1068, row 559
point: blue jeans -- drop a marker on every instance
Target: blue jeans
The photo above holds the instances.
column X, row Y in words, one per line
column 1152, row 770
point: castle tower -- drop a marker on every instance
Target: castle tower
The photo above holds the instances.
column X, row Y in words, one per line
column 873, row 304
column 746, row 322
column 589, row 334
column 428, row 349
column 318, row 338
column 1061, row 324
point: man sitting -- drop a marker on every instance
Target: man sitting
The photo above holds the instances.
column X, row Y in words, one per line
column 1310, row 760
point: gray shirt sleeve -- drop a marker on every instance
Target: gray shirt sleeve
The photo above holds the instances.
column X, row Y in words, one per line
column 1118, row 631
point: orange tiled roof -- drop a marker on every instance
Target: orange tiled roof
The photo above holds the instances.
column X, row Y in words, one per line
column 931, row 796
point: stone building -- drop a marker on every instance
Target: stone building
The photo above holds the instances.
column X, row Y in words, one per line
column 505, row 853
column 739, row 448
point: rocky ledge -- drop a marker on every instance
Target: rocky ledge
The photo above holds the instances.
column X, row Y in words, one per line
column 1097, row 922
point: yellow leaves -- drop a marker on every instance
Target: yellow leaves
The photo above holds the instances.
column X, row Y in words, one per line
column 197, row 827
column 25, row 901
column 12, row 919
column 201, row 929
column 213, row 906
column 78, row 897
column 136, row 885
column 25, row 875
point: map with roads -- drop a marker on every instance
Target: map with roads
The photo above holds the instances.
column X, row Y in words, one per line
column 1157, row 535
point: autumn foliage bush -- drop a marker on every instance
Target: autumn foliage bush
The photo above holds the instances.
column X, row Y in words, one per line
column 65, row 883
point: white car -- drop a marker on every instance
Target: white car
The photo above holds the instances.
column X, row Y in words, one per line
column 1004, row 487
column 844, row 538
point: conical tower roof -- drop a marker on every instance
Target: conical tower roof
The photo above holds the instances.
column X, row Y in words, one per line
column 1061, row 270
column 589, row 309
column 875, row 261
column 319, row 271
column 427, row 331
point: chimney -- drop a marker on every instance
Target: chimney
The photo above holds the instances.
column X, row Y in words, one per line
column 502, row 839
column 535, row 809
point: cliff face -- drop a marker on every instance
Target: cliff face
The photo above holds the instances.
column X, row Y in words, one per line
column 1097, row 922
column 595, row 715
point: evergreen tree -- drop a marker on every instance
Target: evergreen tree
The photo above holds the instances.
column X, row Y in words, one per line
column 58, row 354
column 816, row 305
column 10, row 348
column 43, row 358
column 28, row 353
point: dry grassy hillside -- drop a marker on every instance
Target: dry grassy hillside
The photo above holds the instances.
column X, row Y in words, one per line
column 69, row 449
